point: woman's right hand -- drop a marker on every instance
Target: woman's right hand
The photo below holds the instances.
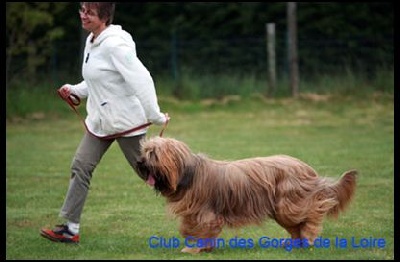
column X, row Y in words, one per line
column 64, row 91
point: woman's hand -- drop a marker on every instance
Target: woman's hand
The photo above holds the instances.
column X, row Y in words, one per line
column 167, row 118
column 64, row 91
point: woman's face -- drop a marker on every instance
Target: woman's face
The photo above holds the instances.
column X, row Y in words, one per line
column 90, row 19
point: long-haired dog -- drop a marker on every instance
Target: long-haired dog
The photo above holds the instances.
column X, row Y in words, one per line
column 209, row 194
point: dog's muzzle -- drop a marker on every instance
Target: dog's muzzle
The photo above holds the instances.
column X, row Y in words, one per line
column 145, row 173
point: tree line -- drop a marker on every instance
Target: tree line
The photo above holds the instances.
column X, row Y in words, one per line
column 205, row 37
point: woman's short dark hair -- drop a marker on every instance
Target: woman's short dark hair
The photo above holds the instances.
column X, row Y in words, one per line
column 105, row 10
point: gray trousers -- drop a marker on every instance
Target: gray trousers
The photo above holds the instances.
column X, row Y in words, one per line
column 88, row 154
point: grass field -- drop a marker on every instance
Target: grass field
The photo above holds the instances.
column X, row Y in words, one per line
column 332, row 134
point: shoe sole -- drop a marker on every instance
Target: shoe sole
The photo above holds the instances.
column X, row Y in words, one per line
column 54, row 239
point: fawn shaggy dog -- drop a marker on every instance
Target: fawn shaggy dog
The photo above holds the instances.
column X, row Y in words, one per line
column 209, row 194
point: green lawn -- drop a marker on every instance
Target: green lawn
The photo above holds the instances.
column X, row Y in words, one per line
column 122, row 213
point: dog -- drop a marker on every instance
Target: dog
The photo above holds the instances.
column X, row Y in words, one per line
column 209, row 194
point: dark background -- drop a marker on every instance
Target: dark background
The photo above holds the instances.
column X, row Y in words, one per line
column 209, row 38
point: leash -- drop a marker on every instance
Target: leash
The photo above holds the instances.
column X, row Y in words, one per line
column 74, row 101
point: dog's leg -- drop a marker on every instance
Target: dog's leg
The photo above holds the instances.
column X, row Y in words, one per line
column 306, row 231
column 289, row 215
column 321, row 204
column 310, row 230
column 294, row 232
column 191, row 250
column 201, row 229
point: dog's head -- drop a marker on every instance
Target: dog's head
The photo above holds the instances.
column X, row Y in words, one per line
column 166, row 164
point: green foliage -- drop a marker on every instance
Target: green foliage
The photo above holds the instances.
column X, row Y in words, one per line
column 29, row 100
column 352, row 83
column 206, row 37
column 221, row 37
column 332, row 133
column 34, row 101
column 30, row 31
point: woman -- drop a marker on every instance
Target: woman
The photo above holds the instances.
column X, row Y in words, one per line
column 120, row 96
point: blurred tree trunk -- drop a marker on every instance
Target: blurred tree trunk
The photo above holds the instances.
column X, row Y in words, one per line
column 293, row 59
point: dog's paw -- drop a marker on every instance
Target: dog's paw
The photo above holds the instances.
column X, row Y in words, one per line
column 191, row 250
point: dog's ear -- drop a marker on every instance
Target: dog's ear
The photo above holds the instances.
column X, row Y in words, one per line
column 149, row 155
column 187, row 178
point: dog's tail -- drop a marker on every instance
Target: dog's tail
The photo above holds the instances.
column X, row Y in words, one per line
column 344, row 190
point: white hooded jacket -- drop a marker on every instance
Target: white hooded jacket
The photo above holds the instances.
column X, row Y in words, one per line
column 119, row 89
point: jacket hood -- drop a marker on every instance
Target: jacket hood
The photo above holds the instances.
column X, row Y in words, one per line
column 113, row 30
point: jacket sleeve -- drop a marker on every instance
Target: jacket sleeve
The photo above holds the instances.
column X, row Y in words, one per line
column 80, row 89
column 138, row 79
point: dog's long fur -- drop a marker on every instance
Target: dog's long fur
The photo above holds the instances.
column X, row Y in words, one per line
column 208, row 194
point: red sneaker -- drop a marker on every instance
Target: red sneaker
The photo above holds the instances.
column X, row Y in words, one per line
column 60, row 233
